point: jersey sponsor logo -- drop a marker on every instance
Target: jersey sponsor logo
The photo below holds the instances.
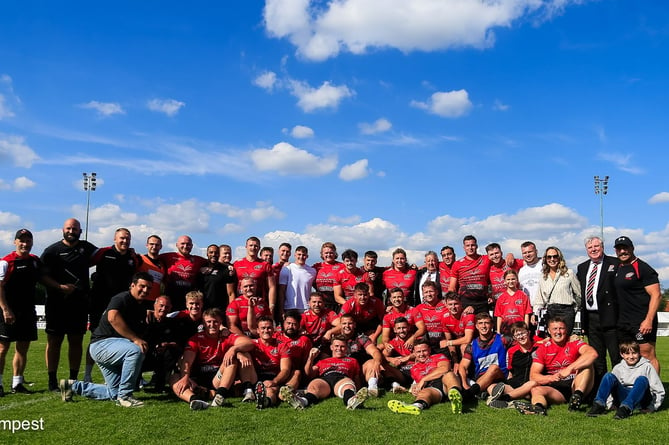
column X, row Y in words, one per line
column 258, row 266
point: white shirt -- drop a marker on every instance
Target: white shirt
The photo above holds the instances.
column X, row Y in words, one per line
column 298, row 280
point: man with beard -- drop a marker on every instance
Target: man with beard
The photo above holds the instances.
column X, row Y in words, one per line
column 67, row 263
column 272, row 364
column 399, row 308
column 164, row 343
column 399, row 353
column 182, row 269
column 562, row 369
column 317, row 321
column 243, row 312
column 338, row 375
column 215, row 280
column 297, row 346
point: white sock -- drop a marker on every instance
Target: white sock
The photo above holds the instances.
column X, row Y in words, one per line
column 17, row 380
column 373, row 383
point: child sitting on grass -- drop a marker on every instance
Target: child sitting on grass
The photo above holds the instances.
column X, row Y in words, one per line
column 633, row 383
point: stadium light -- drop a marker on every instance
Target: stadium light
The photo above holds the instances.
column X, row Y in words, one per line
column 601, row 189
column 90, row 182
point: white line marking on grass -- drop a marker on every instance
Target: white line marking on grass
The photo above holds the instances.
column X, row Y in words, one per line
column 30, row 401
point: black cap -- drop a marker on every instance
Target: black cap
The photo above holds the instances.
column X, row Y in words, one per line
column 23, row 232
column 623, row 241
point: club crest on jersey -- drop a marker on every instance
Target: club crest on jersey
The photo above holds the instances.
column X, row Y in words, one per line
column 258, row 266
column 630, row 275
column 407, row 276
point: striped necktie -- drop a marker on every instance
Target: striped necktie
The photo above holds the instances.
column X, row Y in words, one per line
column 591, row 285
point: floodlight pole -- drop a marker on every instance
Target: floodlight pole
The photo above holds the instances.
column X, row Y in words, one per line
column 90, row 182
column 601, row 189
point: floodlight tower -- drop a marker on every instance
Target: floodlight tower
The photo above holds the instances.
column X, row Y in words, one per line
column 601, row 189
column 90, row 182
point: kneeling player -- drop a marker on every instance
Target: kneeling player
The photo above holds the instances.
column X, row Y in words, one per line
column 272, row 364
column 338, row 375
column 433, row 375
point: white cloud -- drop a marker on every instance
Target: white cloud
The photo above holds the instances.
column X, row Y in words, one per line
column 450, row 104
column 262, row 211
column 23, row 183
column 170, row 107
column 9, row 220
column 266, row 80
column 5, row 111
column 301, row 132
column 286, row 159
column 326, row 96
column 378, row 126
column 352, row 172
column 499, row 106
column 622, row 162
column 15, row 150
column 322, row 31
column 104, row 108
column 659, row 198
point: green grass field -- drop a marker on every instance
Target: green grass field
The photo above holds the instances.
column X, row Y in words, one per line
column 164, row 420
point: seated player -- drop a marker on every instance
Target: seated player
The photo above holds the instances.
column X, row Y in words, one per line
column 241, row 320
column 563, row 370
column 209, row 363
column 297, row 346
column 431, row 312
column 338, row 375
column 317, row 321
column 398, row 354
column 434, row 378
column 272, row 364
column 399, row 308
column 189, row 321
column 518, row 361
column 459, row 327
column 368, row 311
column 484, row 360
column 164, row 347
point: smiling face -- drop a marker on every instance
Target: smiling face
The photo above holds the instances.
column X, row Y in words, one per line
column 448, row 256
column 401, row 330
column 529, row 254
column 625, row 254
column 284, row 254
column 71, row 231
column 184, row 245
column 397, row 299
column 339, row 348
column 495, row 255
column 225, row 255
column 594, row 249
column 470, row 246
column 558, row 332
column 399, row 261
column 212, row 326
column 422, row 352
column 431, row 263
column 212, row 254
column 316, row 304
column 23, row 245
column 266, row 330
column 631, row 357
column 122, row 240
column 552, row 258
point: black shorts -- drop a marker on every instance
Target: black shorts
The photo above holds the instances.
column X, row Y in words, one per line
column 24, row 327
column 332, row 378
column 204, row 375
column 438, row 385
column 266, row 376
column 564, row 386
column 516, row 382
column 629, row 332
column 66, row 315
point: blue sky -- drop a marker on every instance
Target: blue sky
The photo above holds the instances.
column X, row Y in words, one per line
column 373, row 124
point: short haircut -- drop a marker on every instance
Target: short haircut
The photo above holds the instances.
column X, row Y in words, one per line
column 316, row 294
column 452, row 296
column 518, row 326
column 364, row 287
column 469, row 238
column 349, row 254
column 213, row 312
column 285, row 245
column 556, row 319
column 591, row 238
column 400, row 320
column 629, row 346
column 422, row 341
column 253, row 238
column 213, row 245
column 340, row 337
column 330, row 245
column 347, row 315
column 225, row 246
column 483, row 316
column 194, row 295
column 528, row 244
column 492, row 246
column 267, row 249
column 447, row 248
column 511, row 272
column 395, row 290
column 154, row 236
column 294, row 314
column 266, row 318
column 371, row 254
column 431, row 284
column 122, row 229
column 142, row 276
column 302, row 249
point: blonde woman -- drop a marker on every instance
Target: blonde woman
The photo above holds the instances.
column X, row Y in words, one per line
column 559, row 289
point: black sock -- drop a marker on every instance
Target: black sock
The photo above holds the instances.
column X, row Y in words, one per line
column 540, row 406
column 311, row 399
column 246, row 385
column 579, row 393
column 193, row 397
column 475, row 389
column 423, row 404
column 53, row 378
column 347, row 395
column 73, row 374
column 223, row 391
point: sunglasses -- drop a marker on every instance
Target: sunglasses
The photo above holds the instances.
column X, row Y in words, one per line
column 552, row 257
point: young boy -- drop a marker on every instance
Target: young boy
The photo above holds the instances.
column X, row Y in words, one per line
column 632, row 383
column 511, row 306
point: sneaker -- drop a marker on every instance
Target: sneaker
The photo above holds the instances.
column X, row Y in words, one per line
column 496, row 392
column 65, row 387
column 198, row 405
column 575, row 402
column 287, row 394
column 597, row 409
column 483, row 396
column 129, row 402
column 218, row 401
column 529, row 409
column 20, row 389
column 261, row 395
column 358, row 399
column 249, row 397
column 622, row 413
column 373, row 392
column 399, row 407
column 498, row 404
column 456, row 400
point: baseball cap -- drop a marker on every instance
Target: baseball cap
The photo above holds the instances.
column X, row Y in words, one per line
column 23, row 232
column 623, row 241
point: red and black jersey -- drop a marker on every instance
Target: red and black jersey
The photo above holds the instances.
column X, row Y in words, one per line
column 315, row 326
column 296, row 348
column 345, row 365
column 420, row 370
column 210, row 351
column 19, row 277
column 326, row 276
column 402, row 279
column 444, row 277
column 347, row 280
column 240, row 308
column 373, row 310
column 496, row 275
column 267, row 357
column 555, row 357
column 390, row 317
column 431, row 316
column 473, row 277
column 258, row 270
column 457, row 327
column 180, row 276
